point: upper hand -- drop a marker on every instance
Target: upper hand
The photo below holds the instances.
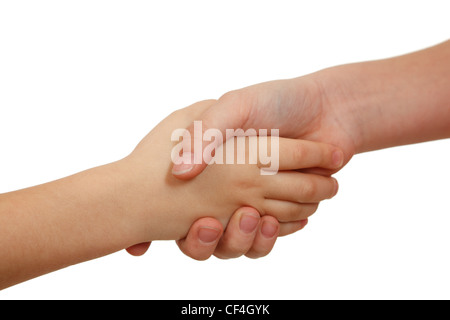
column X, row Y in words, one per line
column 299, row 108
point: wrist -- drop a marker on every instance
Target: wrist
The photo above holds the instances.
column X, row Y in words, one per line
column 64, row 222
column 338, row 93
column 360, row 99
column 390, row 102
column 147, row 194
column 134, row 198
column 102, row 192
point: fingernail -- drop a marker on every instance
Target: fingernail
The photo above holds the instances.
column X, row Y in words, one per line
column 338, row 158
column 186, row 165
column 248, row 222
column 208, row 235
column 269, row 229
column 180, row 169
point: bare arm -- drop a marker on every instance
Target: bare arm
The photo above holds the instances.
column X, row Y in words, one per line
column 134, row 200
column 358, row 107
column 391, row 102
column 57, row 224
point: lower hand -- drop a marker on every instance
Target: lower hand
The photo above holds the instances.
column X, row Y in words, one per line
column 247, row 234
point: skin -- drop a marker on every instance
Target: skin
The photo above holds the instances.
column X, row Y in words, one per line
column 358, row 107
column 137, row 200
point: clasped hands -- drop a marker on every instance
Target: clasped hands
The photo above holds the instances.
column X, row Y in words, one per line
column 238, row 211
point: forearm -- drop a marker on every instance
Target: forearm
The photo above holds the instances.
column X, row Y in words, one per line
column 395, row 101
column 57, row 224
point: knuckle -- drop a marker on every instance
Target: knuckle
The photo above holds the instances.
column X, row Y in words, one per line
column 295, row 214
column 175, row 113
column 314, row 207
column 307, row 211
column 239, row 101
column 231, row 96
column 219, row 255
column 334, row 188
column 201, row 257
column 298, row 153
column 246, row 185
column 235, row 250
column 256, row 253
column 310, row 190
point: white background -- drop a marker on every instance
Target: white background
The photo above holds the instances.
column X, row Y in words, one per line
column 82, row 82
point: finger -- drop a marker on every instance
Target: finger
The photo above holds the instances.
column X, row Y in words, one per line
column 239, row 234
column 286, row 211
column 300, row 187
column 265, row 238
column 202, row 239
column 138, row 249
column 287, row 228
column 299, row 154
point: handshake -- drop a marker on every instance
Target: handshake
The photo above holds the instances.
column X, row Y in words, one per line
column 259, row 177
column 228, row 176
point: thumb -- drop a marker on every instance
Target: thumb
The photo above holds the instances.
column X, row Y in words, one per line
column 204, row 135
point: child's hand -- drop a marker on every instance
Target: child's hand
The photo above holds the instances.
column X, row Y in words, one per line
column 134, row 200
column 165, row 207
